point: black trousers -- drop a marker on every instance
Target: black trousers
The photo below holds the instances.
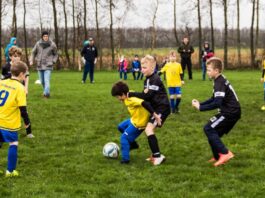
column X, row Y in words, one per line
column 218, row 126
column 187, row 62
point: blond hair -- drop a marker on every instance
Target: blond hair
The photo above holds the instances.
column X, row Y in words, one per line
column 216, row 63
column 150, row 60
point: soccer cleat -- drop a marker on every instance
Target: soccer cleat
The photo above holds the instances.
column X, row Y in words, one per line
column 134, row 145
column 212, row 160
column 157, row 160
column 125, row 161
column 14, row 173
column 224, row 158
column 30, row 136
column 83, row 82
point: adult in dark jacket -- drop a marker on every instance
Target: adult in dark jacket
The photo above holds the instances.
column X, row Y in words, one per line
column 185, row 51
column 45, row 54
column 90, row 53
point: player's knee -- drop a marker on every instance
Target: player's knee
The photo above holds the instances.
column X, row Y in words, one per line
column 120, row 128
column 179, row 96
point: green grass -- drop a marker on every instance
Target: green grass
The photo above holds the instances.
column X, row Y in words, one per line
column 65, row 159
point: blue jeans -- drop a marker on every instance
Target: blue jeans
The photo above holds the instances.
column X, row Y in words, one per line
column 129, row 134
column 89, row 68
column 45, row 77
column 203, row 70
column 124, row 75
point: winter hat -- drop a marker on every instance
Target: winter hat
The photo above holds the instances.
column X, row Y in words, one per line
column 44, row 33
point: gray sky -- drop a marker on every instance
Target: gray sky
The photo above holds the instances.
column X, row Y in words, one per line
column 140, row 15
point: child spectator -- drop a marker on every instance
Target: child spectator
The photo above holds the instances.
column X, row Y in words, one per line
column 123, row 66
column 15, row 55
column 206, row 53
column 136, row 68
column 174, row 75
column 225, row 99
column 12, row 107
column 155, row 93
column 140, row 111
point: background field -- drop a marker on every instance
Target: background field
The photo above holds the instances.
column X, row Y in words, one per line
column 65, row 160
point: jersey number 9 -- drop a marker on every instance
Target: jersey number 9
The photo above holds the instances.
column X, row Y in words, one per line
column 3, row 97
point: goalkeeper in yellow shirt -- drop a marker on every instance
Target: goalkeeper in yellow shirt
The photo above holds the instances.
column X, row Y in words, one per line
column 174, row 78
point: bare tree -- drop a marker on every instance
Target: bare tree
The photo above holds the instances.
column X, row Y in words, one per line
column 55, row 23
column 40, row 17
column 212, row 27
column 200, row 30
column 252, row 53
column 225, row 35
column 66, row 34
column 257, row 28
column 111, row 6
column 98, row 35
column 238, row 34
column 153, row 42
column 25, row 32
column 74, row 35
column 175, row 24
column 14, row 19
column 85, row 13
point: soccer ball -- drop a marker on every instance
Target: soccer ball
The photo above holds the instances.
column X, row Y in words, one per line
column 37, row 82
column 111, row 150
column 263, row 108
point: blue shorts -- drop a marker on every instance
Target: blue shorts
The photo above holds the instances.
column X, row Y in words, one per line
column 174, row 90
column 8, row 136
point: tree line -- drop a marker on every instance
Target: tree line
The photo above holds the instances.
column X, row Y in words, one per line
column 69, row 37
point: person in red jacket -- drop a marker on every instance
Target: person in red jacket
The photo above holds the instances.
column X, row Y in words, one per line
column 206, row 53
column 123, row 66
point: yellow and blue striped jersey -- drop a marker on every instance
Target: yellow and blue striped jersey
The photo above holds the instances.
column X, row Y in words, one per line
column 139, row 115
column 12, row 96
column 173, row 71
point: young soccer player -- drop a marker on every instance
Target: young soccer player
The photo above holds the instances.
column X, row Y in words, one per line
column 174, row 79
column 12, row 107
column 263, row 81
column 155, row 93
column 225, row 99
column 15, row 54
column 140, row 111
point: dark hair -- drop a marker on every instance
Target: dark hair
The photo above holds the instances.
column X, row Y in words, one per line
column 119, row 88
column 216, row 63
column 44, row 33
column 136, row 55
column 18, row 67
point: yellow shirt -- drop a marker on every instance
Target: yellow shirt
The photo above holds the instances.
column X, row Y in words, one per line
column 264, row 64
column 173, row 71
column 12, row 96
column 139, row 115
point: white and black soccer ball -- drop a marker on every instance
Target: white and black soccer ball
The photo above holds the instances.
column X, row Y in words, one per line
column 111, row 150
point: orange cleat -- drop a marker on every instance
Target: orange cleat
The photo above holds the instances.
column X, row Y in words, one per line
column 224, row 158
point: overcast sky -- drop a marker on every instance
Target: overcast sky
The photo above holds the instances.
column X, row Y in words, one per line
column 139, row 15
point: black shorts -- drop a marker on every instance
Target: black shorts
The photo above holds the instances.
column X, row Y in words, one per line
column 164, row 114
column 223, row 123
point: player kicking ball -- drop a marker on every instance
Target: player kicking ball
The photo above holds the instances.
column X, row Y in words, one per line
column 225, row 99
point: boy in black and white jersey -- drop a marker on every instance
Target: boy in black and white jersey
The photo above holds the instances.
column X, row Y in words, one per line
column 154, row 93
column 225, row 99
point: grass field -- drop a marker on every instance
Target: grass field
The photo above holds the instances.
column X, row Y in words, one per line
column 65, row 159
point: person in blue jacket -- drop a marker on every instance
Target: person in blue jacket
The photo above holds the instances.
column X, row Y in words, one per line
column 13, row 42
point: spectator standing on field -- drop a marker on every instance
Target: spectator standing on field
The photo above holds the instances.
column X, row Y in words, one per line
column 90, row 53
column 206, row 53
column 13, row 42
column 185, row 51
column 45, row 54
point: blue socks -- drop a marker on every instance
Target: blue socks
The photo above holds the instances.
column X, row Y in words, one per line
column 12, row 158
